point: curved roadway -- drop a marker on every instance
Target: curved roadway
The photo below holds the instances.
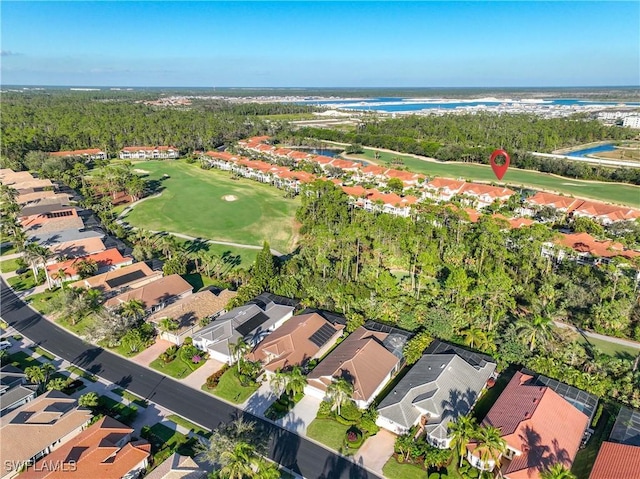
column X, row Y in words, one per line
column 292, row 451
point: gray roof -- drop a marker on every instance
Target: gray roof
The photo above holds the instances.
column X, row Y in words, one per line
column 47, row 207
column 16, row 395
column 10, row 376
column 65, row 236
column 444, row 386
column 626, row 430
column 252, row 321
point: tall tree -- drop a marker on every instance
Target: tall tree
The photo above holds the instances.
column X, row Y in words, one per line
column 462, row 431
column 339, row 392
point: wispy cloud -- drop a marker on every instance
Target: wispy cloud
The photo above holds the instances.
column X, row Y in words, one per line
column 8, row 53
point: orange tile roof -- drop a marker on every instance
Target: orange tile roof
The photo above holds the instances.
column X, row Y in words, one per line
column 445, row 183
column 153, row 293
column 539, row 423
column 282, row 151
column 479, row 189
column 110, row 257
column 96, row 454
column 80, row 247
column 222, row 155
column 258, row 139
column 613, row 212
column 344, row 164
column 585, row 243
column 298, row 155
column 141, row 272
column 404, row 175
column 89, row 151
column 374, row 170
column 355, row 191
column 32, row 221
column 265, row 148
column 362, row 358
column 290, row 344
column 556, row 201
column 391, row 198
column 617, row 461
column 323, row 160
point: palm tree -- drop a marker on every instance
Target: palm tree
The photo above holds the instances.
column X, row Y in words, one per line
column 89, row 400
column 491, row 446
column 36, row 256
column 474, row 337
column 557, row 471
column 238, row 350
column 237, row 461
column 132, row 309
column 168, row 324
column 93, row 299
column 296, row 381
column 538, row 329
column 36, row 375
column 462, row 432
column 339, row 392
column 47, row 369
column 278, row 382
column 60, row 275
column 266, row 469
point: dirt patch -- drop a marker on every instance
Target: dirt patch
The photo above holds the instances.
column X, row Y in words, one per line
column 229, row 197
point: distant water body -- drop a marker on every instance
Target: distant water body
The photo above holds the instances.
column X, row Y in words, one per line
column 390, row 105
column 591, row 151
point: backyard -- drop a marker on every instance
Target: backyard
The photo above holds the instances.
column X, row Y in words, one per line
column 612, row 192
column 210, row 204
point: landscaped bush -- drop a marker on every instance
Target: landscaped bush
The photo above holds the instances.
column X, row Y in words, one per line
column 350, row 412
column 324, row 411
column 354, row 438
column 214, row 379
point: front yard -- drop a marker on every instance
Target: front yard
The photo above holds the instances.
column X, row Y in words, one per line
column 329, row 432
column 179, row 362
column 10, row 265
column 165, row 441
column 230, row 388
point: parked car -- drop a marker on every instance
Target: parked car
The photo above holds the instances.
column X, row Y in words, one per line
column 4, row 344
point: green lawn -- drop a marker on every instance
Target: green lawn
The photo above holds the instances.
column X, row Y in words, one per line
column 612, row 349
column 179, row 368
column 232, row 257
column 131, row 397
column 42, row 301
column 23, row 360
column 164, row 441
column 7, row 250
column 22, row 282
column 80, row 327
column 180, row 421
column 394, row 470
column 9, row 265
column 82, row 374
column 42, row 352
column 117, row 410
column 329, row 432
column 191, row 203
column 613, row 192
column 229, row 387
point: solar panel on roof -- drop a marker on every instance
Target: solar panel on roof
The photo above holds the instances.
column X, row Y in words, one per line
column 322, row 335
column 125, row 278
column 246, row 328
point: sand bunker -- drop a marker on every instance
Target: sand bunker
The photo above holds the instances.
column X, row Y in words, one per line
column 229, row 197
column 144, row 172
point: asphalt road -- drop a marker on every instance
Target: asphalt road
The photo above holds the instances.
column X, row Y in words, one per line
column 290, row 450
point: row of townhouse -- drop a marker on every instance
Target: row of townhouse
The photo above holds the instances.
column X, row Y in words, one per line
column 482, row 195
column 126, row 153
column 280, row 176
column 374, row 200
column 603, row 213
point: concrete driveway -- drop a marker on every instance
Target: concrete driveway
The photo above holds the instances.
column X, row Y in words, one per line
column 301, row 415
column 152, row 352
column 197, row 378
column 376, row 451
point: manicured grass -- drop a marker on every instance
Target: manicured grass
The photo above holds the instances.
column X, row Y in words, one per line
column 42, row 301
column 23, row 360
column 229, row 387
column 291, row 117
column 232, row 257
column 329, row 432
column 9, row 265
column 180, row 421
column 23, row 281
column 82, row 374
column 117, row 410
column 394, row 470
column 131, row 397
column 179, row 368
column 613, row 192
column 191, row 203
column 164, row 441
column 124, row 350
column 42, row 352
column 80, row 327
column 586, row 457
column 612, row 349
column 198, row 281
column 7, row 250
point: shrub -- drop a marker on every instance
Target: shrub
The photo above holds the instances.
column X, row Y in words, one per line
column 350, row 412
column 188, row 341
column 145, row 432
column 190, row 160
column 597, row 415
column 324, row 411
column 196, row 359
column 354, row 438
column 214, row 379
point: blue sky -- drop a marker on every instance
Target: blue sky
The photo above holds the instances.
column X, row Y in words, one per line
column 322, row 44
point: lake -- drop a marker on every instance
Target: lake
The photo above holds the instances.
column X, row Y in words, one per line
column 590, row 151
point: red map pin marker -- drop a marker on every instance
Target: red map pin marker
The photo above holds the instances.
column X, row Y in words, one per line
column 499, row 170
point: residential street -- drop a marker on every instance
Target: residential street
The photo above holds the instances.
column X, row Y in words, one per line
column 292, row 451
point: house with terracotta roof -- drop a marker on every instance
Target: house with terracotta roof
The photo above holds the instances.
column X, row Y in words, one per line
column 363, row 359
column 187, row 313
column 104, row 450
column 118, row 280
column 443, row 385
column 35, row 197
column 44, row 227
column 37, row 428
column 616, row 461
column 485, row 195
column 285, row 178
column 372, row 172
column 45, row 205
column 389, row 203
column 148, row 152
column 585, row 249
column 345, row 165
column 408, row 178
column 564, row 204
column 155, row 295
column 442, row 189
column 177, row 467
column 90, row 153
column 299, row 340
column 77, row 248
column 222, row 160
column 32, row 186
column 107, row 260
column 252, row 322
column 541, row 428
column 36, row 217
column 604, row 213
